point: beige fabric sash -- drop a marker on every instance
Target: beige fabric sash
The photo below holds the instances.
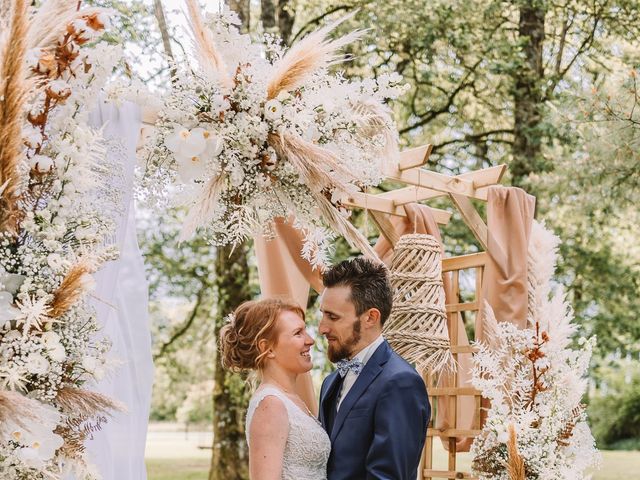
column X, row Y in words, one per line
column 283, row 273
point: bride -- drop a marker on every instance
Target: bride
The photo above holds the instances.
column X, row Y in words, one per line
column 285, row 440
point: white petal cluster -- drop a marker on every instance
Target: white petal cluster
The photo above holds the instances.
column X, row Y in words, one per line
column 208, row 129
column 69, row 206
column 535, row 381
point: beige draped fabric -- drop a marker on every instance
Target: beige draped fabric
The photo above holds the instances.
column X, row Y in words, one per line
column 420, row 219
column 510, row 214
column 283, row 273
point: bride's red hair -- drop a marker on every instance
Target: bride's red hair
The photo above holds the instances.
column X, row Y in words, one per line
column 250, row 323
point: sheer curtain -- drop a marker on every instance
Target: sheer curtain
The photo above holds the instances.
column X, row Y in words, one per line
column 121, row 300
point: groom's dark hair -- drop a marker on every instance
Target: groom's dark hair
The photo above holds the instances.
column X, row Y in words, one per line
column 369, row 282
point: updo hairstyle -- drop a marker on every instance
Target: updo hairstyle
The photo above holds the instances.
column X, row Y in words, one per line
column 251, row 322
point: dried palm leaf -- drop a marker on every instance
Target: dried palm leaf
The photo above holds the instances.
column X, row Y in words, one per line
column 17, row 409
column 515, row 464
column 375, row 119
column 70, row 290
column 203, row 208
column 312, row 53
column 13, row 91
column 209, row 58
column 312, row 161
column 50, row 22
column 86, row 404
column 344, row 227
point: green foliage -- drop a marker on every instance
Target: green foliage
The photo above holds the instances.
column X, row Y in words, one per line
column 614, row 409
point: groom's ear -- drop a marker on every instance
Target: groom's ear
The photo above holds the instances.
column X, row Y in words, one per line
column 373, row 318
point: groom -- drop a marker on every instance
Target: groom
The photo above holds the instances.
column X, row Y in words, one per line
column 374, row 406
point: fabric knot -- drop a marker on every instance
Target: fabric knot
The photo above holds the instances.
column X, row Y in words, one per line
column 344, row 366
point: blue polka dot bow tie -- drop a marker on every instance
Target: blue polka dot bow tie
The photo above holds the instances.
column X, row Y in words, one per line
column 344, row 366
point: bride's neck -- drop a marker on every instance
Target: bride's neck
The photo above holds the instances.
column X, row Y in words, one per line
column 281, row 378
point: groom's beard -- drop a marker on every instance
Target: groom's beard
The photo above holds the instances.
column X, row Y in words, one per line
column 344, row 350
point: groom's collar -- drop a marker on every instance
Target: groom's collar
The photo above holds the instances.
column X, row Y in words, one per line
column 367, row 352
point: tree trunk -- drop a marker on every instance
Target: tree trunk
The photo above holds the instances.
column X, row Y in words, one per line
column 229, row 458
column 243, row 9
column 286, row 18
column 268, row 15
column 528, row 98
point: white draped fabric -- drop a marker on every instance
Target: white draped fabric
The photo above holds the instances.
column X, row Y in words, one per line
column 121, row 300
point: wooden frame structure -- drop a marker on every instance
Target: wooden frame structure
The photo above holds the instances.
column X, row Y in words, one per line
column 423, row 185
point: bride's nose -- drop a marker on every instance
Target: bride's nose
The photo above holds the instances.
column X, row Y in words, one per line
column 309, row 339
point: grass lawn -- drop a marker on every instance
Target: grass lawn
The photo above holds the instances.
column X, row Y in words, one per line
column 615, row 466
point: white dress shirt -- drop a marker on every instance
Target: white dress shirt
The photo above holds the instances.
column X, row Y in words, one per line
column 363, row 355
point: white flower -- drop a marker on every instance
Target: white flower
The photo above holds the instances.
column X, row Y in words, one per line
column 11, row 378
column 57, row 353
column 7, row 310
column 185, row 143
column 10, row 282
column 214, row 144
column 37, row 364
column 191, row 168
column 38, row 439
column 273, row 110
column 55, row 261
column 50, row 339
column 32, row 136
column 59, row 87
column 219, row 104
column 41, row 163
column 33, row 313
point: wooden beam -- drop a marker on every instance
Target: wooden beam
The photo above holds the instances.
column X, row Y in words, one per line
column 472, row 218
column 376, row 203
column 386, row 227
column 462, row 262
column 481, row 180
column 414, row 157
column 436, row 181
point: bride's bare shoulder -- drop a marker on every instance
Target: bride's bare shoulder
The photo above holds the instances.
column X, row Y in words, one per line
column 270, row 417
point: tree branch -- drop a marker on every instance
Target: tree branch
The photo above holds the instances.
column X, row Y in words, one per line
column 318, row 19
column 179, row 332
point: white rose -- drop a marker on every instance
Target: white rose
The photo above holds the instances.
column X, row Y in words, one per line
column 57, row 353
column 37, row 364
column 273, row 110
column 54, row 261
column 50, row 339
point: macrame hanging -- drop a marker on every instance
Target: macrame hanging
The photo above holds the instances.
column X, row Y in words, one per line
column 417, row 328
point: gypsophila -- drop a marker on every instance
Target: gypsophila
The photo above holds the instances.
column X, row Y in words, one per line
column 255, row 132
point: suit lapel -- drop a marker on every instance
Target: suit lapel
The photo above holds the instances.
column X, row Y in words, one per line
column 369, row 373
column 332, row 382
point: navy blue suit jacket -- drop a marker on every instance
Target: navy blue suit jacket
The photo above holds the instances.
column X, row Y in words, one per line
column 380, row 429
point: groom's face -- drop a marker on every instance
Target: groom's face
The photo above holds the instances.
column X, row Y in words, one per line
column 340, row 324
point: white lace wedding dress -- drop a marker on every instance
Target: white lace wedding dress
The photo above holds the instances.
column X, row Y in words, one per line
column 308, row 446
